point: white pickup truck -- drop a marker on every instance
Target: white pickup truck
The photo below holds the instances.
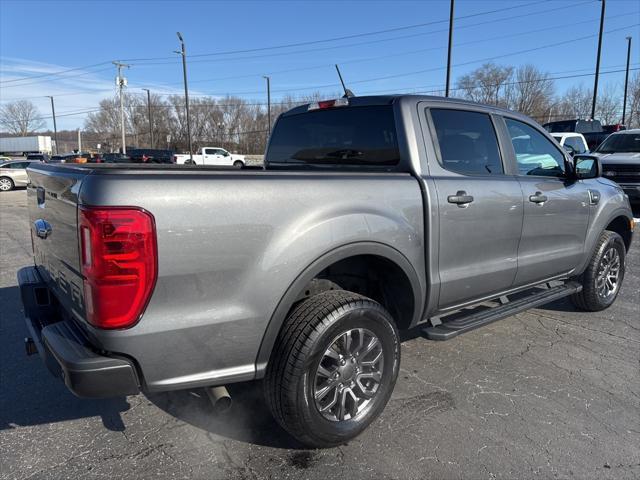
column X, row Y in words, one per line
column 212, row 156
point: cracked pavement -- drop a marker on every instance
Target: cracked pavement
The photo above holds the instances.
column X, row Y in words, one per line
column 549, row 393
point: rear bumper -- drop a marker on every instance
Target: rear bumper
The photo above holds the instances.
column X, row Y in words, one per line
column 65, row 349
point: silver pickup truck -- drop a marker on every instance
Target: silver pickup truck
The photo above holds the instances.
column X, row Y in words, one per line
column 372, row 215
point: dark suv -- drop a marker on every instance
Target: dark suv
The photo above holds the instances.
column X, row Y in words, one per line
column 150, row 155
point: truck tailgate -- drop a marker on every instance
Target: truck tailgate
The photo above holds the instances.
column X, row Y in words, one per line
column 52, row 197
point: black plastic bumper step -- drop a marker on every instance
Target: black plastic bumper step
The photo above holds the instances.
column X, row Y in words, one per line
column 533, row 298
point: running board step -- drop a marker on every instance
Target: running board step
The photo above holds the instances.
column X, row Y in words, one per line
column 534, row 298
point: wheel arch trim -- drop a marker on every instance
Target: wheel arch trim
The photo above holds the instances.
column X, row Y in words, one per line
column 327, row 259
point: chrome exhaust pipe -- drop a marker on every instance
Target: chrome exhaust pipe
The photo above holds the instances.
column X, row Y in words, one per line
column 220, row 399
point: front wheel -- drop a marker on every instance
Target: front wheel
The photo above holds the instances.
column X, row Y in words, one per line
column 6, row 184
column 333, row 369
column 238, row 164
column 603, row 277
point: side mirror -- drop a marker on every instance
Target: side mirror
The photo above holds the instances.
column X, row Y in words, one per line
column 586, row 166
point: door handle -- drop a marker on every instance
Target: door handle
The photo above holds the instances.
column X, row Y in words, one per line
column 460, row 198
column 538, row 197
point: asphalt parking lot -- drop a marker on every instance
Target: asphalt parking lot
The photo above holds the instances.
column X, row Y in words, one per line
column 550, row 393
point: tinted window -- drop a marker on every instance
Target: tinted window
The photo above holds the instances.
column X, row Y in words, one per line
column 467, row 142
column 210, row 151
column 621, row 143
column 576, row 143
column 535, row 153
column 338, row 136
column 18, row 165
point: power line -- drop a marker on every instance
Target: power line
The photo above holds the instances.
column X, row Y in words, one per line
column 343, row 37
column 433, row 69
column 63, row 78
column 374, row 41
column 55, row 73
column 395, row 55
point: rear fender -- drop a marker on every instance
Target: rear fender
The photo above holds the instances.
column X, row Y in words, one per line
column 326, row 260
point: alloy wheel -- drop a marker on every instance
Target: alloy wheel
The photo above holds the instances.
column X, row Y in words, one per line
column 348, row 376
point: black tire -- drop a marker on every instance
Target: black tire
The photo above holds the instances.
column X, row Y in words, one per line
column 189, row 162
column 311, row 328
column 238, row 164
column 591, row 298
column 6, row 184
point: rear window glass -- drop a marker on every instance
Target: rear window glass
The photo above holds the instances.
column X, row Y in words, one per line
column 467, row 142
column 339, row 136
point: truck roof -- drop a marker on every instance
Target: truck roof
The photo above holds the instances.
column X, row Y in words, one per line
column 389, row 99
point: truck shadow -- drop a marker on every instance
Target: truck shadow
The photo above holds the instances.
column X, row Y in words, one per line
column 248, row 420
column 30, row 395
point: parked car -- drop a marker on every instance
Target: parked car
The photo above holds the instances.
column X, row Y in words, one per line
column 13, row 173
column 617, row 127
column 116, row 158
column 591, row 130
column 4, row 159
column 212, row 156
column 38, row 157
column 573, row 142
column 150, row 155
column 372, row 215
column 620, row 157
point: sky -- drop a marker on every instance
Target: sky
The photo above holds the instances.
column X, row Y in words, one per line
column 381, row 46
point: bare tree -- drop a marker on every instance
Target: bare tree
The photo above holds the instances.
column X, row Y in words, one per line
column 486, row 84
column 531, row 93
column 608, row 106
column 575, row 103
column 633, row 102
column 21, row 118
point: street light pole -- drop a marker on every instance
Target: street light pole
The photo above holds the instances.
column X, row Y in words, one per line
column 150, row 117
column 55, row 128
column 183, row 52
column 268, row 79
column 626, row 80
column 446, row 92
column 595, row 84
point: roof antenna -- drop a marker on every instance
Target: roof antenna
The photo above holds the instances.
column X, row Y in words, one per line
column 347, row 93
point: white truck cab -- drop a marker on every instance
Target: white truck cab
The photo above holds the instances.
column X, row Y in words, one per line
column 572, row 140
column 212, row 156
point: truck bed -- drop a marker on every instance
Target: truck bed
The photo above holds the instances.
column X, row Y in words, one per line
column 230, row 242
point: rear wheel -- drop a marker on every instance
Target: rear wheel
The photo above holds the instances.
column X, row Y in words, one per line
column 6, row 184
column 333, row 369
column 603, row 277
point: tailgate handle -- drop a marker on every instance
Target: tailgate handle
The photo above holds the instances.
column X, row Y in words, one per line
column 43, row 228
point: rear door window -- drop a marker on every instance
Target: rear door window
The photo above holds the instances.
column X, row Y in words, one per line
column 363, row 135
column 466, row 142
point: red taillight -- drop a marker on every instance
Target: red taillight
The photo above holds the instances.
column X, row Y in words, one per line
column 175, row 159
column 118, row 257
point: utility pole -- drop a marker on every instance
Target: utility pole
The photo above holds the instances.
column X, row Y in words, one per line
column 150, row 117
column 121, row 82
column 595, row 84
column 55, row 128
column 79, row 141
column 268, row 79
column 183, row 52
column 626, row 80
column 446, row 92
